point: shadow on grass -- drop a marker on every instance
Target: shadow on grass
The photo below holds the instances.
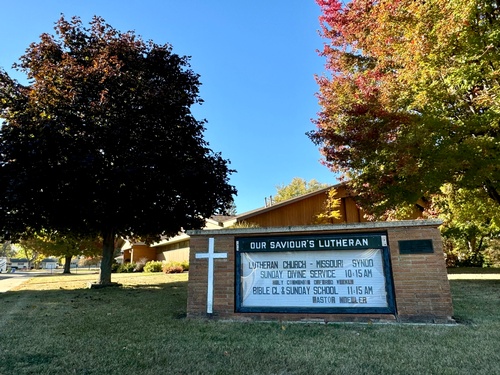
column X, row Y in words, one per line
column 151, row 302
column 174, row 285
column 15, row 360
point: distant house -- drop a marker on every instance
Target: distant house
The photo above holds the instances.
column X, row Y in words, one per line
column 19, row 263
column 49, row 264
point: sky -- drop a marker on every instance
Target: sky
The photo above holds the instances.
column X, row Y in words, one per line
column 256, row 59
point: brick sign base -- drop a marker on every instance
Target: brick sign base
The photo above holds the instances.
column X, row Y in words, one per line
column 378, row 272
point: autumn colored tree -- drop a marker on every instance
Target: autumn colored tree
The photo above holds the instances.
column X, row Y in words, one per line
column 410, row 101
column 298, row 186
column 102, row 142
column 331, row 208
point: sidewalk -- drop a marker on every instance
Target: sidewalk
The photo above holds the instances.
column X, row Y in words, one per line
column 9, row 281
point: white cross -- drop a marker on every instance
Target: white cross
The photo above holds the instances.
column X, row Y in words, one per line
column 210, row 283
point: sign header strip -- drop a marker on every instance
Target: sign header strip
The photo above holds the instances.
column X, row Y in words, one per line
column 304, row 243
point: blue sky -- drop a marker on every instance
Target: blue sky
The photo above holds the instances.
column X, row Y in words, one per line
column 257, row 60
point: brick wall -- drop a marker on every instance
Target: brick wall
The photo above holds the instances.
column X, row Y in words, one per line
column 422, row 292
column 420, row 280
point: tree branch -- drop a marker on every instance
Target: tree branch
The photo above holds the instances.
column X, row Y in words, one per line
column 491, row 190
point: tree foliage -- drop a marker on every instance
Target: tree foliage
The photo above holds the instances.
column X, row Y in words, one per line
column 64, row 246
column 298, row 186
column 411, row 101
column 471, row 221
column 29, row 248
column 331, row 209
column 102, row 140
column 7, row 250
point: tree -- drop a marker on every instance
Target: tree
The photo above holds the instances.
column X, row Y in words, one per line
column 7, row 250
column 102, row 141
column 232, row 210
column 331, row 209
column 471, row 221
column 412, row 99
column 29, row 249
column 66, row 246
column 297, row 187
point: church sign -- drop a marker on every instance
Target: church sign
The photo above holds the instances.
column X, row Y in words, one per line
column 370, row 272
column 336, row 273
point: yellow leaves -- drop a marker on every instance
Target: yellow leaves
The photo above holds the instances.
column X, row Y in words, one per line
column 297, row 187
column 331, row 209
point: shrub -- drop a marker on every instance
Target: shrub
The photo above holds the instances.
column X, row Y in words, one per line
column 115, row 266
column 153, row 266
column 185, row 265
column 458, row 256
column 126, row 267
column 175, row 267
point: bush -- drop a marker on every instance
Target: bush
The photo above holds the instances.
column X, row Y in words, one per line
column 153, row 266
column 185, row 265
column 492, row 254
column 126, row 267
column 175, row 267
column 458, row 256
column 115, row 266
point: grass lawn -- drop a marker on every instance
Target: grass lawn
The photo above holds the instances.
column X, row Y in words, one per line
column 52, row 325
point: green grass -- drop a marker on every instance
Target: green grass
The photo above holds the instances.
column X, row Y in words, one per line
column 52, row 325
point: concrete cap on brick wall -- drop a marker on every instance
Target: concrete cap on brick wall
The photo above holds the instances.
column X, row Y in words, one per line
column 318, row 228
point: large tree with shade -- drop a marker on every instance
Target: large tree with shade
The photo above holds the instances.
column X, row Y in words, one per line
column 102, row 141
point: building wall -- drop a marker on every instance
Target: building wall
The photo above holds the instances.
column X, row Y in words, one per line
column 301, row 212
column 140, row 252
column 304, row 211
column 127, row 256
column 178, row 255
column 422, row 291
column 49, row 265
column 173, row 251
column 19, row 265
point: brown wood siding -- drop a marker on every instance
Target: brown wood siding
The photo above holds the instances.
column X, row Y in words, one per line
column 354, row 215
column 140, row 252
column 304, row 212
column 297, row 213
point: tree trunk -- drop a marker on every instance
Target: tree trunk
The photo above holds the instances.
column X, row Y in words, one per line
column 492, row 191
column 67, row 263
column 108, row 249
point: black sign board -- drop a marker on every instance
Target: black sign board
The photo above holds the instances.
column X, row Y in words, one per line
column 416, row 247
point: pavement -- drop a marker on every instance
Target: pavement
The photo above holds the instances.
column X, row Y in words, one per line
column 9, row 281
